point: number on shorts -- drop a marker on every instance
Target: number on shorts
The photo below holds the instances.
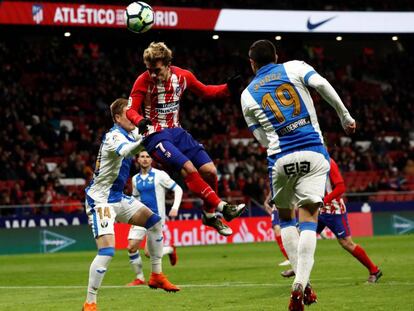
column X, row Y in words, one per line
column 297, row 168
column 105, row 213
column 287, row 96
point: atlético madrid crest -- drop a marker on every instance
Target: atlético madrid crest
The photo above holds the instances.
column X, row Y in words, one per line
column 37, row 13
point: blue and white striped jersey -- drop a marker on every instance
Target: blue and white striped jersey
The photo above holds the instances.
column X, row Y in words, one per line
column 279, row 110
column 151, row 188
column 111, row 168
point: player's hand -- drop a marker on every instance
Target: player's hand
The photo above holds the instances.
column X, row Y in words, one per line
column 233, row 84
column 136, row 135
column 350, row 128
column 173, row 213
column 143, row 125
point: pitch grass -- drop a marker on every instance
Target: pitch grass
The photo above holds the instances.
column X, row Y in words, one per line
column 225, row 277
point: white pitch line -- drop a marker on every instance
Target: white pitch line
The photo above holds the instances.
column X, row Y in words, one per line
column 390, row 283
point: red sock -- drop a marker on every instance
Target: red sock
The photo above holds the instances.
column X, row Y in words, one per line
column 360, row 254
column 197, row 185
column 213, row 183
column 282, row 249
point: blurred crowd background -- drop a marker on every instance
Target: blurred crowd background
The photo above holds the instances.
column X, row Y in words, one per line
column 56, row 92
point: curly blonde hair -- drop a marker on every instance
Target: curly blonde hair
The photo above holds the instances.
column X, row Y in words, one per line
column 157, row 51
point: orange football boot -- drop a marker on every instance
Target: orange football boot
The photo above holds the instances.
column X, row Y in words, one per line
column 159, row 280
column 89, row 307
column 137, row 282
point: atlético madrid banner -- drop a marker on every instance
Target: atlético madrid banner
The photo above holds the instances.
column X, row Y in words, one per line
column 96, row 15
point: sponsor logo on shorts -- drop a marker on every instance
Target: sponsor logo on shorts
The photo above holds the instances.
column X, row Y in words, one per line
column 297, row 168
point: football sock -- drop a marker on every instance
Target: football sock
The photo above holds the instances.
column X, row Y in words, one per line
column 136, row 263
column 306, row 252
column 280, row 243
column 290, row 239
column 166, row 250
column 197, row 185
column 360, row 254
column 155, row 245
column 97, row 272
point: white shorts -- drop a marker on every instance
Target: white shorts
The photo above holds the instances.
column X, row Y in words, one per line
column 139, row 233
column 299, row 178
column 103, row 215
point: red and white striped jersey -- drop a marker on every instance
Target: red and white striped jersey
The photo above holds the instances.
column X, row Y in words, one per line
column 160, row 101
column 335, row 188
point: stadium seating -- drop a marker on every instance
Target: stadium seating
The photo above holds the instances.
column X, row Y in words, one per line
column 62, row 117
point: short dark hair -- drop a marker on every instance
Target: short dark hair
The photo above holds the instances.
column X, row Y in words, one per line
column 118, row 106
column 263, row 52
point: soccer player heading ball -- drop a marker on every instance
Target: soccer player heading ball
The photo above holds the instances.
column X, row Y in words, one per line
column 154, row 106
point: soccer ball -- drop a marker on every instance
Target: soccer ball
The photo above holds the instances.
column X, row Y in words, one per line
column 139, row 17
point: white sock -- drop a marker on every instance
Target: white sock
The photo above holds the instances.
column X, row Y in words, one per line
column 167, row 250
column 306, row 252
column 136, row 263
column 96, row 274
column 221, row 206
column 155, row 245
column 210, row 215
column 290, row 240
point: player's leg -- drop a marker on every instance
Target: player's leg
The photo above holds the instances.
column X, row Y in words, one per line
column 308, row 218
column 196, row 153
column 135, row 237
column 340, row 227
column 169, row 250
column 135, row 213
column 209, row 172
column 278, row 236
column 167, row 153
column 102, row 219
column 309, row 171
column 283, row 196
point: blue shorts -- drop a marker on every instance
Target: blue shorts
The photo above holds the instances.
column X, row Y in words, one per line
column 275, row 218
column 338, row 224
column 174, row 147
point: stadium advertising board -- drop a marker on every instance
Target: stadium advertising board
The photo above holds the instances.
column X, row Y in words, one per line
column 245, row 230
column 96, row 15
column 193, row 232
column 46, row 240
column 33, row 221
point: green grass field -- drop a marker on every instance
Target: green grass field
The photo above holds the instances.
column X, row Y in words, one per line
column 226, row 277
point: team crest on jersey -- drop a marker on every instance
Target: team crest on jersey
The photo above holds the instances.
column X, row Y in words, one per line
column 150, row 179
column 178, row 90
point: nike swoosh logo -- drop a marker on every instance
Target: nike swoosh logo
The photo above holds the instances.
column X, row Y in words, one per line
column 312, row 26
column 159, row 240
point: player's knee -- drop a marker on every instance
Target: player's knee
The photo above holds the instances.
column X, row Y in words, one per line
column 154, row 221
column 346, row 243
column 188, row 168
column 107, row 251
column 208, row 171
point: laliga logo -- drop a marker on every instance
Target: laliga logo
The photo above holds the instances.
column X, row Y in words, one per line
column 243, row 236
column 37, row 13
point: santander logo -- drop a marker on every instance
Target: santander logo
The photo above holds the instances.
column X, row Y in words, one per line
column 243, row 236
